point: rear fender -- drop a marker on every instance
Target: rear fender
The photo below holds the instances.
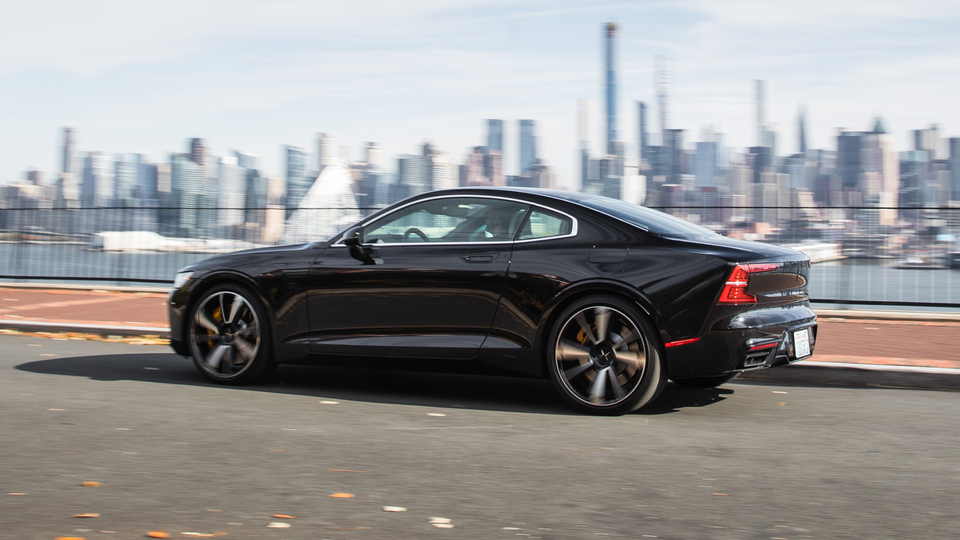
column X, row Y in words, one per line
column 588, row 288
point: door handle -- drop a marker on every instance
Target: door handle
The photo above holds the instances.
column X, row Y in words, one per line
column 483, row 258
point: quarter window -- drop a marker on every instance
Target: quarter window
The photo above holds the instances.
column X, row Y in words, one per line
column 453, row 219
column 544, row 224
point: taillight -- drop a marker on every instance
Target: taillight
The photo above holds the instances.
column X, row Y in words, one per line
column 735, row 291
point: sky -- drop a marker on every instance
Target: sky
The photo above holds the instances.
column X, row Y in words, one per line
column 254, row 75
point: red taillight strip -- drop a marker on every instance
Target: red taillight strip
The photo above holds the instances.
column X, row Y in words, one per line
column 681, row 342
column 764, row 346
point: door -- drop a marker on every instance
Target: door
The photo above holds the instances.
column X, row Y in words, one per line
column 434, row 285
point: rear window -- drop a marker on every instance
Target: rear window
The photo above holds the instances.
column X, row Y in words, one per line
column 650, row 220
column 545, row 224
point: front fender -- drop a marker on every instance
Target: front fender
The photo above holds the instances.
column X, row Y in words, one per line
column 181, row 301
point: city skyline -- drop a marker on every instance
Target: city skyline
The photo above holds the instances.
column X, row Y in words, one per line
column 846, row 63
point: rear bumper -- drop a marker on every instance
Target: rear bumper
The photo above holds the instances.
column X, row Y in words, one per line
column 750, row 340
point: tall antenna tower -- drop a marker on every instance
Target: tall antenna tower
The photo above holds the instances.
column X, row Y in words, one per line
column 662, row 80
column 761, row 101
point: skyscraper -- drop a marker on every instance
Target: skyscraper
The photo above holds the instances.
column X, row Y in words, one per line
column 442, row 173
column 759, row 101
column 66, row 161
column 411, row 176
column 124, row 180
column 297, row 181
column 245, row 160
column 610, row 32
column 643, row 139
column 147, row 180
column 256, row 196
column 705, row 167
column 661, row 80
column 495, row 135
column 372, row 155
column 493, row 168
column 198, row 153
column 802, row 130
column 187, row 193
column 672, row 154
column 371, row 190
column 849, row 158
column 541, row 176
column 231, row 193
column 955, row 167
column 471, row 172
column 528, row 145
column 795, row 167
column 137, row 170
column 97, row 188
column 327, row 151
column 435, row 169
column 929, row 140
column 766, row 137
column 584, row 137
column 890, row 183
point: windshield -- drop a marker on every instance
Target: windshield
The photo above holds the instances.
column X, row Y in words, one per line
column 650, row 220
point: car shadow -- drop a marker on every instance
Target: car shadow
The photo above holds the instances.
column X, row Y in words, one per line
column 675, row 398
column 388, row 386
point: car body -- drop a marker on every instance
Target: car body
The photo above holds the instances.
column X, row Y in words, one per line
column 485, row 280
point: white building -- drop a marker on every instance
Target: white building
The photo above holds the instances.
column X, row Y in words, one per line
column 328, row 207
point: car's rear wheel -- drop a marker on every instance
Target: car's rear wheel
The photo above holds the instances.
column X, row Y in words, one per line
column 604, row 356
column 229, row 336
column 712, row 381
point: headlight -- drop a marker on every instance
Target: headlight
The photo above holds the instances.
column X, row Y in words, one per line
column 181, row 279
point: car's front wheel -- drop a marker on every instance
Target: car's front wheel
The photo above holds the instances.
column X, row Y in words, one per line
column 604, row 356
column 229, row 336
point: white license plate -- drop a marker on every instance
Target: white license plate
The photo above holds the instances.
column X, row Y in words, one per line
column 801, row 343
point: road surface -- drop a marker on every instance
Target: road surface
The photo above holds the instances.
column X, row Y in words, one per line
column 497, row 457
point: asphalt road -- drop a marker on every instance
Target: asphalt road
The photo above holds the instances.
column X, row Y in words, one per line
column 499, row 458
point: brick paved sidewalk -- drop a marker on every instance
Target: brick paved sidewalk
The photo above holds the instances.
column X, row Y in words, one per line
column 874, row 342
column 108, row 308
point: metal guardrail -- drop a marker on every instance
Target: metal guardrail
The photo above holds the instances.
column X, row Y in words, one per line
column 860, row 257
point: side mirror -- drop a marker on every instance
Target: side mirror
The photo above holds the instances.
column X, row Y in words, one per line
column 351, row 238
column 364, row 254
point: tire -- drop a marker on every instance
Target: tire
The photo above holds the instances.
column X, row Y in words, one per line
column 705, row 382
column 237, row 348
column 610, row 374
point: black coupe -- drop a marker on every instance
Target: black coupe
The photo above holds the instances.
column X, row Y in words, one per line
column 607, row 299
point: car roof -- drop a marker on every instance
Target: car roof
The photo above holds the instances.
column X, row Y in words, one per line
column 568, row 196
column 641, row 217
column 563, row 194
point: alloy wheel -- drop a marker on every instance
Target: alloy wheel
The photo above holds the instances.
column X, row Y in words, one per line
column 225, row 335
column 600, row 356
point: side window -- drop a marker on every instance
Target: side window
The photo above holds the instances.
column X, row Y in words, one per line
column 544, row 224
column 454, row 219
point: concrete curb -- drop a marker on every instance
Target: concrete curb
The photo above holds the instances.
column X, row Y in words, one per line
column 858, row 375
column 928, row 316
column 98, row 329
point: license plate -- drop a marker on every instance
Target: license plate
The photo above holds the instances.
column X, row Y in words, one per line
column 801, row 343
